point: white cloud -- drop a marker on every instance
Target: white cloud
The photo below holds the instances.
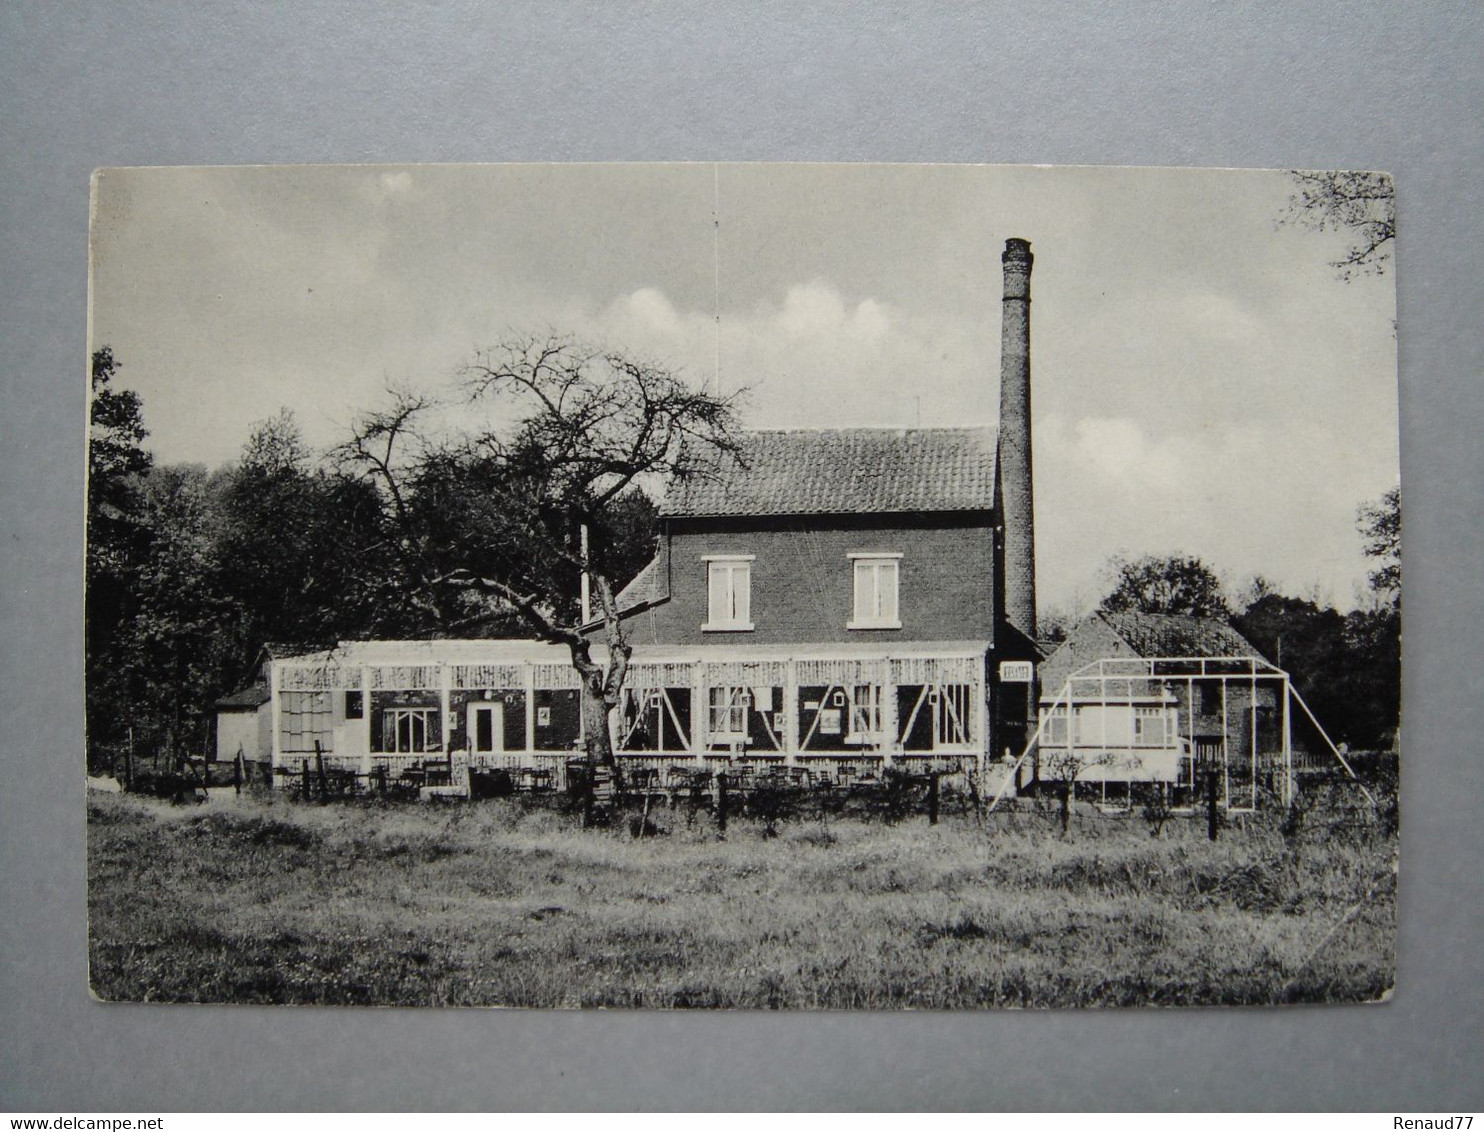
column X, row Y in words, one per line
column 813, row 357
column 1247, row 498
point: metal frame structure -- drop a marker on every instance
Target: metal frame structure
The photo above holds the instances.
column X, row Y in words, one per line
column 1125, row 680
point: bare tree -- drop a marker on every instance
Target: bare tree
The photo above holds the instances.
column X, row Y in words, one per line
column 507, row 522
column 1361, row 205
column 576, row 430
column 388, row 448
column 1060, row 768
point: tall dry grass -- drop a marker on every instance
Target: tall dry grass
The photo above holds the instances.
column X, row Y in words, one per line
column 494, row 903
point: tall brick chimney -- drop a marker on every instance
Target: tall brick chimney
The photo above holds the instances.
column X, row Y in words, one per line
column 1014, row 463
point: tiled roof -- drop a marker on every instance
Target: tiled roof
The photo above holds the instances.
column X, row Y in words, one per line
column 846, row 471
column 254, row 695
column 1173, row 635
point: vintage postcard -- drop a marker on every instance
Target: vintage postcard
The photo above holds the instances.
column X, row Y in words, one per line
column 742, row 586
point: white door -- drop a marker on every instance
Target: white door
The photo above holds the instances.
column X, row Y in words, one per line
column 487, row 728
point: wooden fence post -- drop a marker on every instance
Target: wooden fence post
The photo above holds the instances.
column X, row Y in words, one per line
column 319, row 771
column 1213, row 816
column 721, row 802
column 304, row 768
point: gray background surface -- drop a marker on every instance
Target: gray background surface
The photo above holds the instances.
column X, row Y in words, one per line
column 1363, row 86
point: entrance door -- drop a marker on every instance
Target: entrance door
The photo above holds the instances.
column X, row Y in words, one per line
column 487, row 728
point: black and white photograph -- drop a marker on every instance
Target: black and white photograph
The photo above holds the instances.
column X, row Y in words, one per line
column 742, row 586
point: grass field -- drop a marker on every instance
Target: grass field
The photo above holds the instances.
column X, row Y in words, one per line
column 491, row 903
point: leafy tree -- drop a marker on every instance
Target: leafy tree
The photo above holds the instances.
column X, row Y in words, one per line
column 1308, row 641
column 115, row 437
column 1347, row 667
column 301, row 549
column 1381, row 528
column 1373, row 636
column 184, row 623
column 1055, row 623
column 1361, row 205
column 276, row 448
column 1175, row 584
column 116, row 542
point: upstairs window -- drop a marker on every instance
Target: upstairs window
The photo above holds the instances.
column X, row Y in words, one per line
column 729, row 593
column 875, row 591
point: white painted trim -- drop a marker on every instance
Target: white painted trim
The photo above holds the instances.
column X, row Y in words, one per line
column 741, row 628
column 874, row 554
column 873, row 624
column 729, row 558
column 496, row 708
column 275, row 691
column 530, row 698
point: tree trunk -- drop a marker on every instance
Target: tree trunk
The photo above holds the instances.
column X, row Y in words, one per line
column 601, row 792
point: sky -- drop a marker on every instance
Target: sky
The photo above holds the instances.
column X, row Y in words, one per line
column 1202, row 381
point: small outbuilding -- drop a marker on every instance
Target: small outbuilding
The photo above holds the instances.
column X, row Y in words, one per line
column 244, row 725
column 1164, row 699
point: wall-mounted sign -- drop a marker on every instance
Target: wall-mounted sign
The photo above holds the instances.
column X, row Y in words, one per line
column 543, row 717
column 829, row 721
column 1017, row 672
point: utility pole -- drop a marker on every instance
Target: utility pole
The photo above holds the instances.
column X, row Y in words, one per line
column 587, row 581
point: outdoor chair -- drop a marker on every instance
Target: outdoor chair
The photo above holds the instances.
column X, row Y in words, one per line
column 533, row 780
column 643, row 779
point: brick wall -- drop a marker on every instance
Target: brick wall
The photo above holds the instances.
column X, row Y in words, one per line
column 803, row 583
